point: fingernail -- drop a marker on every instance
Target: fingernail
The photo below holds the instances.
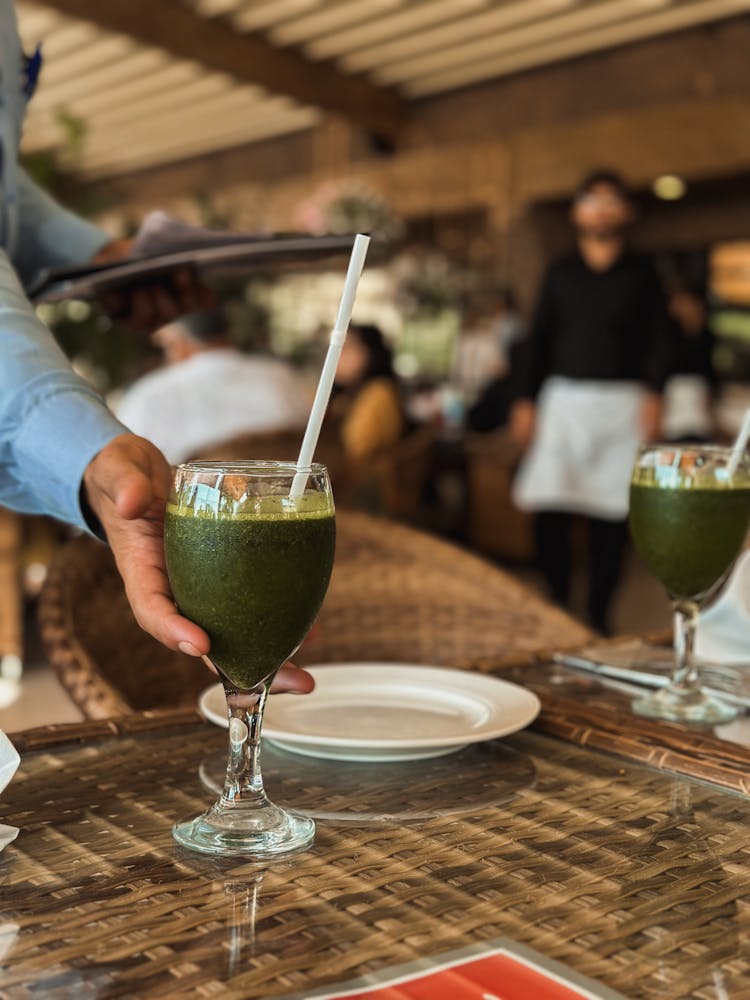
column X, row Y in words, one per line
column 188, row 649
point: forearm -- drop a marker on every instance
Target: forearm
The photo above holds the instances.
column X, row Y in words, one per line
column 534, row 354
column 528, row 374
column 651, row 417
column 661, row 353
column 51, row 423
column 50, row 235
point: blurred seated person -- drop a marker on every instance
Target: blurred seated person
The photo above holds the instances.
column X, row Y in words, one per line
column 368, row 402
column 491, row 408
column 209, row 391
column 689, row 391
column 479, row 353
column 507, row 325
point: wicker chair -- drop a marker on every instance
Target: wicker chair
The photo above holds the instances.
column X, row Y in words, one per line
column 396, row 595
column 280, row 445
column 390, row 483
column 495, row 525
column 106, row 663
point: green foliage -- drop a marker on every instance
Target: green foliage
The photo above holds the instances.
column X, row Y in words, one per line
column 732, row 324
column 53, row 168
column 210, row 216
column 109, row 355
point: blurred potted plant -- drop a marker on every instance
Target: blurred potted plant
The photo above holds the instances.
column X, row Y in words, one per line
column 351, row 206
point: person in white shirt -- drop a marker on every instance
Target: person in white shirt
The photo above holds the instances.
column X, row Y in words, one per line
column 209, row 392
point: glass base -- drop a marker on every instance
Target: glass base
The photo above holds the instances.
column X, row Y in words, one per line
column 257, row 833
column 675, row 705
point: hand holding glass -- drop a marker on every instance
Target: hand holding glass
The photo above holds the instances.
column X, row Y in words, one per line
column 689, row 515
column 251, row 566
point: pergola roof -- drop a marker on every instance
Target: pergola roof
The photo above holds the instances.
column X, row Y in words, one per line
column 162, row 80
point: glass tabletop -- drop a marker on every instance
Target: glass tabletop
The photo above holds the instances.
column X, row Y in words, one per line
column 634, row 878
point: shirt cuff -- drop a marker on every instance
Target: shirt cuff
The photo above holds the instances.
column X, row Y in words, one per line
column 59, row 436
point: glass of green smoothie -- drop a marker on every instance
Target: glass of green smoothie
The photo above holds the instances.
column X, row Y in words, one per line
column 250, row 564
column 689, row 516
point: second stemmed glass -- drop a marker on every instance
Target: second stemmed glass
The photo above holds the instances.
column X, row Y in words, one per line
column 689, row 515
column 250, row 565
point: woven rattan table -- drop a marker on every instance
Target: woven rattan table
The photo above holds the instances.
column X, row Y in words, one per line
column 626, row 874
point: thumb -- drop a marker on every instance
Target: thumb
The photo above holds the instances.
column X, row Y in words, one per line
column 131, row 492
column 126, row 474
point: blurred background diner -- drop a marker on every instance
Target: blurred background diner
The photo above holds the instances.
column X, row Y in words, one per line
column 560, row 264
column 367, row 404
column 205, row 390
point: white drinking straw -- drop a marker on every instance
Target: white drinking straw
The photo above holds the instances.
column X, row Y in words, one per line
column 327, row 375
column 739, row 445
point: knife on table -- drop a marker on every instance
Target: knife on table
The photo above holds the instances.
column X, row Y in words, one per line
column 727, row 683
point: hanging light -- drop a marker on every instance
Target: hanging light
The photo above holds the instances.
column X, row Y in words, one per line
column 669, row 187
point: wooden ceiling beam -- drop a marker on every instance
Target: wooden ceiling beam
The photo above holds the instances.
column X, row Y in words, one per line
column 171, row 25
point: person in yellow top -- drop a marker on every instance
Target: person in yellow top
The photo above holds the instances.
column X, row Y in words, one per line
column 369, row 402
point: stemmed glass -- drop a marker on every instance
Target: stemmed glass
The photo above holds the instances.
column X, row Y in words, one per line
column 250, row 564
column 689, row 515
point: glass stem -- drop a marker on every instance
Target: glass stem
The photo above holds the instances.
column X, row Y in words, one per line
column 685, row 675
column 244, row 781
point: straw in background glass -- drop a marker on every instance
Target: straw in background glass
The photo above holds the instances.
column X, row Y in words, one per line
column 739, row 446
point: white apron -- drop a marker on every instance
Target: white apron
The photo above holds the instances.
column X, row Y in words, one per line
column 587, row 437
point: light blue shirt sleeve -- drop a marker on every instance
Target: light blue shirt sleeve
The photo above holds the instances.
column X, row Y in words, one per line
column 51, row 422
column 48, row 234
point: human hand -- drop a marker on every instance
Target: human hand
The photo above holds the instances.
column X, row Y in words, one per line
column 113, row 251
column 650, row 417
column 126, row 485
column 151, row 304
column 523, row 422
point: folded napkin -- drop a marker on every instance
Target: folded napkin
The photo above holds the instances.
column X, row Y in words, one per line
column 9, row 761
column 723, row 634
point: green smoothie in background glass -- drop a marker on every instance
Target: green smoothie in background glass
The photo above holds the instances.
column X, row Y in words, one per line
column 250, row 563
column 254, row 578
column 689, row 516
column 688, row 536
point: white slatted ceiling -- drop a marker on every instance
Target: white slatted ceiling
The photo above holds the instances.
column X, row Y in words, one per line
column 570, row 45
column 143, row 107
column 492, row 34
column 326, row 18
column 443, row 42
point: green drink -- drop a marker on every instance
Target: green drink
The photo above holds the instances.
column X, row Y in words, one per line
column 254, row 580
column 249, row 549
column 689, row 538
column 689, row 515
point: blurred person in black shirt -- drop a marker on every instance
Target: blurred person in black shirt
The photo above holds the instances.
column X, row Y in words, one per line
column 599, row 352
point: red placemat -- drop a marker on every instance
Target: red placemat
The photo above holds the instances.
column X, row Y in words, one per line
column 496, row 970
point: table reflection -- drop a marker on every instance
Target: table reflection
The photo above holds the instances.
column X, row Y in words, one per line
column 471, row 780
column 244, row 897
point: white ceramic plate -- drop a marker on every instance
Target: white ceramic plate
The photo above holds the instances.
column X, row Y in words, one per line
column 389, row 711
